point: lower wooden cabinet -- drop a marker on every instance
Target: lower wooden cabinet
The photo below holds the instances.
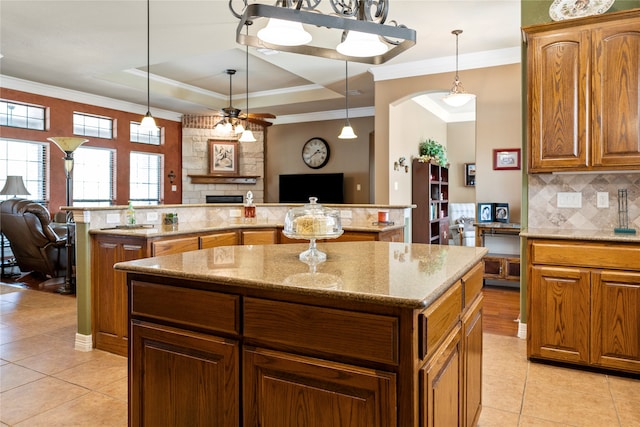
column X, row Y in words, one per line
column 472, row 362
column 502, row 267
column 584, row 303
column 282, row 389
column 441, row 385
column 190, row 379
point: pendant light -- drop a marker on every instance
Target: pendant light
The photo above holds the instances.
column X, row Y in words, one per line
column 347, row 130
column 457, row 97
column 284, row 33
column 361, row 45
column 148, row 123
column 247, row 135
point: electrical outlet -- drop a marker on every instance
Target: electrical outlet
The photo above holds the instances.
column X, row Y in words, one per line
column 152, row 216
column 569, row 200
column 235, row 213
column 346, row 214
column 602, row 199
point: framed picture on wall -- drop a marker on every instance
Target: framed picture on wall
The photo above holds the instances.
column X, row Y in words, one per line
column 506, row 159
column 485, row 212
column 469, row 174
column 502, row 212
column 223, row 157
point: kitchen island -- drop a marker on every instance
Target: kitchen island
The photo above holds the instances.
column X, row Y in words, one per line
column 380, row 334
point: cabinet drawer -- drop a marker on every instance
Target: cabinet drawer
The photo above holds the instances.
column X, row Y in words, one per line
column 191, row 308
column 219, row 239
column 174, row 246
column 435, row 322
column 259, row 237
column 337, row 332
column 472, row 282
column 586, row 254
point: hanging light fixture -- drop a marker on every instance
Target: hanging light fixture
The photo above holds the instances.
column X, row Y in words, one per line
column 369, row 39
column 148, row 123
column 457, row 97
column 247, row 135
column 347, row 130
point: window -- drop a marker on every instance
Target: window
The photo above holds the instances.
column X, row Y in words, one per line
column 144, row 182
column 25, row 159
column 17, row 115
column 153, row 138
column 88, row 125
column 93, row 177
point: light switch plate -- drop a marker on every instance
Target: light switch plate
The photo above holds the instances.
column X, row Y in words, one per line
column 602, row 199
column 345, row 213
column 113, row 218
column 152, row 216
column 235, row 213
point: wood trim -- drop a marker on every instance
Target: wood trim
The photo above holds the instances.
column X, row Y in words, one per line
column 212, row 179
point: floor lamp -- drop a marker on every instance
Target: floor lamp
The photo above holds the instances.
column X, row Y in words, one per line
column 68, row 145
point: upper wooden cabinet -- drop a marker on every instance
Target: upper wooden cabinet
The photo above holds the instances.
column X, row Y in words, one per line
column 583, row 93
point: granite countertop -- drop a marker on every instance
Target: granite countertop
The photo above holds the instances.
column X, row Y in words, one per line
column 576, row 234
column 397, row 274
column 157, row 230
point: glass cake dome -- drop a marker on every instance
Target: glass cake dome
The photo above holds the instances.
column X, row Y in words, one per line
column 310, row 222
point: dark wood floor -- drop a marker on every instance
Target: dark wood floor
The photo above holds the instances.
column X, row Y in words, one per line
column 501, row 305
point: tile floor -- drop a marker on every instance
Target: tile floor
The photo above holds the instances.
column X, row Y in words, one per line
column 45, row 382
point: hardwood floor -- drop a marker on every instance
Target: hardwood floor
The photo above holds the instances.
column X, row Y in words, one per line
column 501, row 310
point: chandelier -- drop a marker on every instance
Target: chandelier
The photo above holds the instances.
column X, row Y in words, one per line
column 355, row 29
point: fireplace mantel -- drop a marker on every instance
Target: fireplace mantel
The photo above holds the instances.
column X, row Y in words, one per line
column 217, row 179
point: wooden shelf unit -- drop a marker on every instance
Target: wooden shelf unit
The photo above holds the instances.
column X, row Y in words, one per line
column 499, row 266
column 430, row 194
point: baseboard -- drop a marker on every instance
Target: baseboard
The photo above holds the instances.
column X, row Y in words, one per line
column 522, row 330
column 84, row 342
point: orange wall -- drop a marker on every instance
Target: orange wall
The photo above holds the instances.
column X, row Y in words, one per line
column 61, row 124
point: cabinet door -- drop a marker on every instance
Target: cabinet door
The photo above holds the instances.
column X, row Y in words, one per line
column 615, row 329
column 174, row 246
column 110, row 327
column 441, row 385
column 558, row 95
column 472, row 344
column 258, row 237
column 282, row 389
column 616, row 95
column 229, row 238
column 559, row 307
column 181, row 378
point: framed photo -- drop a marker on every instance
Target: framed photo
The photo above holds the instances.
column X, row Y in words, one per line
column 223, row 157
column 502, row 212
column 485, row 212
column 469, row 174
column 506, row 159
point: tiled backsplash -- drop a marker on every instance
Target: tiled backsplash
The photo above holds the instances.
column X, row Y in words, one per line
column 544, row 188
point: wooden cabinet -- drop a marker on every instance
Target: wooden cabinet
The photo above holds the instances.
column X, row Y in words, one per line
column 282, row 389
column 615, row 331
column 584, row 303
column 274, row 359
column 500, row 266
column 430, row 194
column 190, row 378
column 259, row 237
column 225, row 238
column 109, row 293
column 583, row 86
column 174, row 246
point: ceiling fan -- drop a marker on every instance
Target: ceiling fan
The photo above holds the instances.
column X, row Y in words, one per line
column 232, row 114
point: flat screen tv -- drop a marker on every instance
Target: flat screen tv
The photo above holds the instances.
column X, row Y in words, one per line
column 297, row 188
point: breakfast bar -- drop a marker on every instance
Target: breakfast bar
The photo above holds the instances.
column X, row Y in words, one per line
column 379, row 334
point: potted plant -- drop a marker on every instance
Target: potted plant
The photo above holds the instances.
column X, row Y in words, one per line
column 432, row 151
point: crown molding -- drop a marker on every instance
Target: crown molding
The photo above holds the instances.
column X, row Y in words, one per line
column 469, row 61
column 324, row 115
column 84, row 98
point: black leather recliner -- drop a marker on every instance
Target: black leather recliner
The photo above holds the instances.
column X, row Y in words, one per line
column 35, row 245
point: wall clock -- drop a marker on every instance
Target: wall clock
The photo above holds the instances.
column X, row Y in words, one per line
column 315, row 153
